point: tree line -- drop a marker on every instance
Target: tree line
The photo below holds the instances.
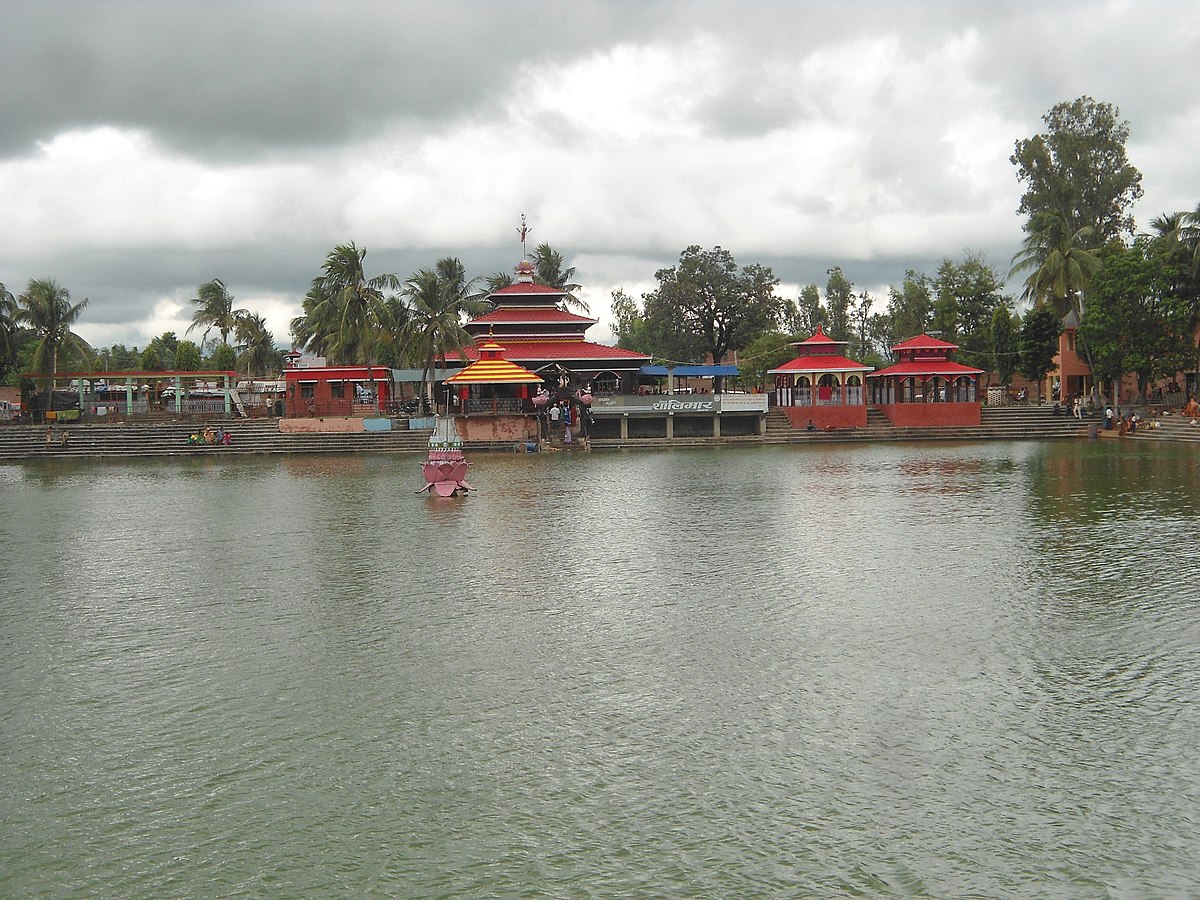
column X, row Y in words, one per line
column 348, row 316
column 1135, row 299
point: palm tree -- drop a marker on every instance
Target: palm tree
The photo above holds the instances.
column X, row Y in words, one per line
column 344, row 311
column 46, row 309
column 548, row 270
column 439, row 299
column 8, row 329
column 256, row 343
column 1060, row 263
column 214, row 309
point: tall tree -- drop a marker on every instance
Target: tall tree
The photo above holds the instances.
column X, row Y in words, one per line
column 439, row 300
column 973, row 290
column 214, row 309
column 8, row 330
column 549, row 268
column 45, row 308
column 811, row 314
column 1140, row 317
column 257, row 354
column 187, row 357
column 839, row 294
column 1004, row 344
column 708, row 303
column 345, row 312
column 910, row 307
column 1060, row 261
column 1078, row 169
column 1038, row 345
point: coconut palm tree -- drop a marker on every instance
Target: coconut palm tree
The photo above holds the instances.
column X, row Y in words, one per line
column 46, row 309
column 1060, row 263
column 548, row 270
column 8, row 329
column 256, row 345
column 438, row 302
column 214, row 309
column 344, row 311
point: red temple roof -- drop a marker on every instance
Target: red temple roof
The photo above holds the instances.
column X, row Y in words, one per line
column 535, row 315
column 943, row 367
column 555, row 350
column 820, row 362
column 923, row 342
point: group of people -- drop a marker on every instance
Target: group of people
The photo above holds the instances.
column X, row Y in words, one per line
column 219, row 438
column 560, row 412
column 60, row 438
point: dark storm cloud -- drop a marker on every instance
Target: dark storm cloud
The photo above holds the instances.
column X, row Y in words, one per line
column 238, row 77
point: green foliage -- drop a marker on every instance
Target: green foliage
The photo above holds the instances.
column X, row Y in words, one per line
column 549, row 268
column 910, row 307
column 1140, row 315
column 214, row 309
column 706, row 306
column 768, row 351
column 810, row 314
column 839, row 295
column 257, row 353
column 224, row 359
column 1004, row 332
column 187, row 357
column 968, row 293
column 1078, row 169
column 46, row 311
column 1059, row 261
column 151, row 360
column 345, row 313
column 1038, row 343
column 439, row 300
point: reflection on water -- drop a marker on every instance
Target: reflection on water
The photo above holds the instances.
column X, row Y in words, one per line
column 842, row 671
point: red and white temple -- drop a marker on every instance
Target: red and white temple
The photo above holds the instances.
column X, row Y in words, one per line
column 925, row 388
column 529, row 320
column 821, row 385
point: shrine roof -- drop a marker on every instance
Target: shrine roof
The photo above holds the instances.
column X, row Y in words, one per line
column 492, row 368
column 522, row 287
column 820, row 362
column 924, row 342
column 533, row 315
column 557, row 349
column 927, row 367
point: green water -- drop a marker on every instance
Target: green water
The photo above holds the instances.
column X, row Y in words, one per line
column 894, row 670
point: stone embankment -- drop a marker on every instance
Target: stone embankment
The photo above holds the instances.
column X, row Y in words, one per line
column 262, row 436
column 171, row 439
column 1168, row 428
column 998, row 423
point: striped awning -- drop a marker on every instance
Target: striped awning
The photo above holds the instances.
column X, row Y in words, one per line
column 493, row 368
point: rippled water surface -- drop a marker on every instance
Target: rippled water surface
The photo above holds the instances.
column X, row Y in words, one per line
column 932, row 670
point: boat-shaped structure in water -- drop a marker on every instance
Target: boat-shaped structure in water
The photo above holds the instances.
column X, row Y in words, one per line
column 446, row 468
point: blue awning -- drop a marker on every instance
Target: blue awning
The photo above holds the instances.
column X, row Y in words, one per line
column 691, row 371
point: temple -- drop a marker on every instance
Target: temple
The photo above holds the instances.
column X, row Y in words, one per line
column 821, row 385
column 925, row 388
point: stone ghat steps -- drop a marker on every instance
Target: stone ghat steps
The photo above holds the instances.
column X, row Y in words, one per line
column 170, row 439
column 1171, row 428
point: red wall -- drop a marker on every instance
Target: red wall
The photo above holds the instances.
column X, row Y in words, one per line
column 931, row 415
column 827, row 416
column 497, row 428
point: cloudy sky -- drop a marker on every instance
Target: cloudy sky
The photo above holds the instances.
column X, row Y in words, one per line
column 146, row 147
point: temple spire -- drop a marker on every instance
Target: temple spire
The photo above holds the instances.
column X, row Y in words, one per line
column 522, row 231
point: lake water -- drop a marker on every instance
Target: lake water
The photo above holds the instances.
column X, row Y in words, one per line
column 893, row 670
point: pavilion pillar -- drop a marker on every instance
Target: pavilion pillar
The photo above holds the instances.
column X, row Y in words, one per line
column 625, row 427
column 227, row 401
column 178, row 394
column 670, row 425
column 716, row 424
column 129, row 395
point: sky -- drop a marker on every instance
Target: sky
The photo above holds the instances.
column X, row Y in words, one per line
column 149, row 146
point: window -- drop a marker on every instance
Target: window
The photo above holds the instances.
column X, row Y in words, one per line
column 308, row 391
column 337, row 390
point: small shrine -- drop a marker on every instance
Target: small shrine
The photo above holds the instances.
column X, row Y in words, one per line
column 821, row 385
column 925, row 388
column 494, row 387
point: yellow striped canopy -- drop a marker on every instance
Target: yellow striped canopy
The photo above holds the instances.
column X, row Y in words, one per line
column 493, row 368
